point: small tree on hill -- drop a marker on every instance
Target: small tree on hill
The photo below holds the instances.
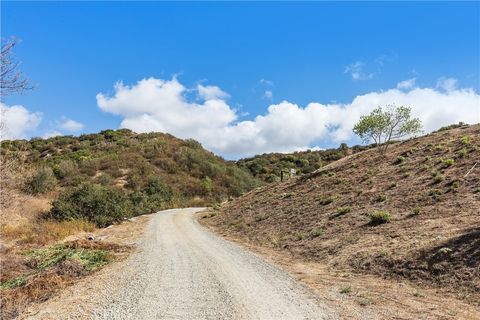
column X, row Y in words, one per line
column 385, row 124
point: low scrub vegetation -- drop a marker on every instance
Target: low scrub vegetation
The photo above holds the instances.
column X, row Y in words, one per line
column 35, row 275
column 403, row 211
column 326, row 200
column 13, row 283
column 379, row 217
column 42, row 181
column 316, row 232
column 98, row 204
column 344, row 210
column 106, row 177
column 90, row 259
column 43, row 231
column 267, row 167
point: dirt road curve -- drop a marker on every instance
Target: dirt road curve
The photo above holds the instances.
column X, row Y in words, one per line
column 185, row 272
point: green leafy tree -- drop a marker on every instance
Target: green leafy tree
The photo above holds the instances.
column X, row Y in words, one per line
column 385, row 124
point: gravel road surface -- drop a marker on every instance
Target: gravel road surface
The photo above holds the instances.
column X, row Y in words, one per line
column 183, row 271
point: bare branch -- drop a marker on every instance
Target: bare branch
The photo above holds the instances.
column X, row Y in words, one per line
column 11, row 79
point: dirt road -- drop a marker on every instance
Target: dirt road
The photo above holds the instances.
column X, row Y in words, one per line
column 185, row 272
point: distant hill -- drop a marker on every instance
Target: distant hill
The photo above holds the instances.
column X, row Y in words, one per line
column 268, row 166
column 127, row 160
column 414, row 213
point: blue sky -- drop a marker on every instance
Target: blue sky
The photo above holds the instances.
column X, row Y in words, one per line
column 326, row 53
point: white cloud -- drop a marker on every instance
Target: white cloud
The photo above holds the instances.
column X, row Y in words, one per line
column 211, row 92
column 51, row 134
column 406, row 84
column 16, row 121
column 356, row 71
column 267, row 82
column 160, row 105
column 268, row 94
column 447, row 84
column 71, row 125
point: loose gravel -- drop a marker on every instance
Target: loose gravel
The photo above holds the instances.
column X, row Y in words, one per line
column 183, row 271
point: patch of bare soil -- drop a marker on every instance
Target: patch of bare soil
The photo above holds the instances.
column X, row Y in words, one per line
column 431, row 240
column 361, row 296
column 34, row 284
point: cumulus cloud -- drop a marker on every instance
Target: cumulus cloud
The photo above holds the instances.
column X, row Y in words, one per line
column 16, row 121
column 406, row 84
column 70, row 125
column 356, row 70
column 211, row 92
column 161, row 105
column 447, row 84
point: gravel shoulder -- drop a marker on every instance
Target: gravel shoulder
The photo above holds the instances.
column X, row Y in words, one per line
column 183, row 271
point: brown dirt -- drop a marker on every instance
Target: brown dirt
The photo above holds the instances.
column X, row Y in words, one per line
column 41, row 286
column 371, row 297
column 432, row 239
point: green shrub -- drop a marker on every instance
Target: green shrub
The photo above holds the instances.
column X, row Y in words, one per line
column 98, row 204
column 454, row 185
column 155, row 196
column 448, row 162
column 300, row 235
column 42, row 181
column 462, row 153
column 327, row 200
column 316, row 232
column 437, row 177
column 90, row 259
column 13, row 283
column 104, row 179
column 344, row 210
column 381, row 198
column 435, row 193
column 452, row 126
column 466, row 140
column 379, row 217
column 416, row 211
column 207, row 185
column 271, row 178
column 65, row 169
column 438, row 147
column 400, row 159
column 155, row 186
column 346, row 290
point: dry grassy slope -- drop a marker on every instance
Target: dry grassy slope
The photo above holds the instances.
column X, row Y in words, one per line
column 296, row 216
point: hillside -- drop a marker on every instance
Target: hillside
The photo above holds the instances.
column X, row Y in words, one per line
column 128, row 160
column 413, row 214
column 268, row 166
column 62, row 187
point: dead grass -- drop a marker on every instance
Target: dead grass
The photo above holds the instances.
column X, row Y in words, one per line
column 12, row 179
column 33, row 276
column 23, row 224
column 42, row 232
column 406, row 247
